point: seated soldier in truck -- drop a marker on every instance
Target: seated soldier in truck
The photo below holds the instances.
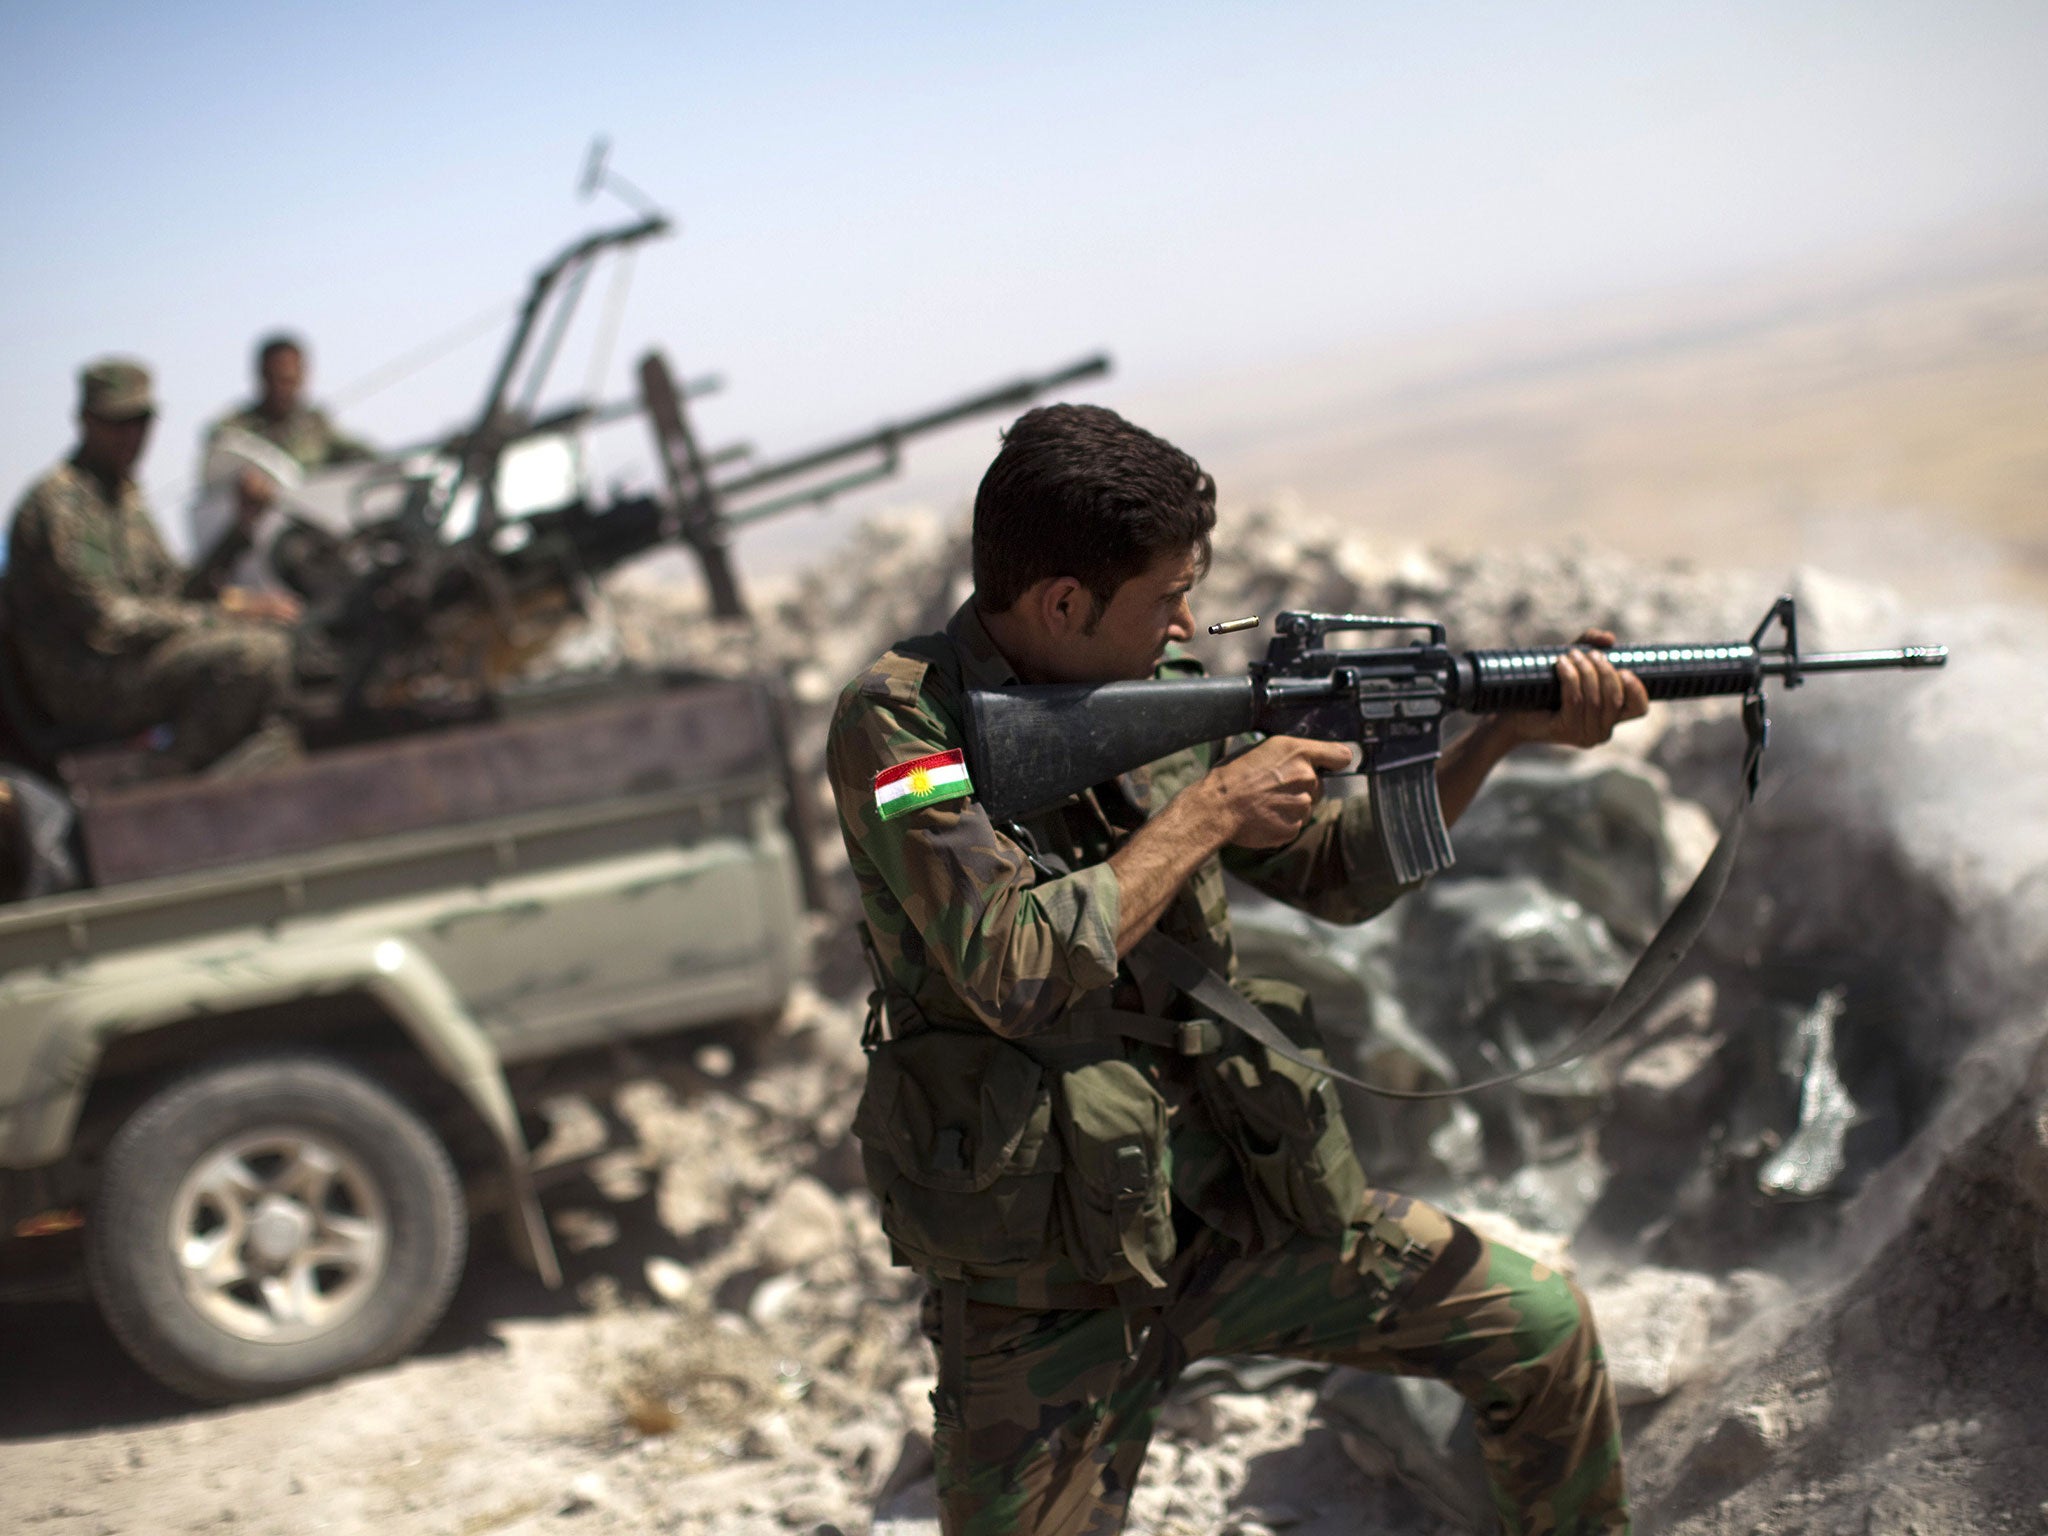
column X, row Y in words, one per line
column 111, row 635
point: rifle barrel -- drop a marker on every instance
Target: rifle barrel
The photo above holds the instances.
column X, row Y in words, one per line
column 1861, row 661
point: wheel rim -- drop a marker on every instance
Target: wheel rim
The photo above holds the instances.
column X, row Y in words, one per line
column 279, row 1235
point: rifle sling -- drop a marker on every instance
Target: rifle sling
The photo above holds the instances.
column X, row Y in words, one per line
column 1667, row 948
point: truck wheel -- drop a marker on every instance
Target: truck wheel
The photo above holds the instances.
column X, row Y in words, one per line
column 270, row 1223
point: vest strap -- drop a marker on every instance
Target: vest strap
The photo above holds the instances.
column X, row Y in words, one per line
column 1188, row 1037
column 948, row 1398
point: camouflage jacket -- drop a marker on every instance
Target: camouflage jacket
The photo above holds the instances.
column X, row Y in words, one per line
column 970, row 935
column 89, row 582
column 306, row 434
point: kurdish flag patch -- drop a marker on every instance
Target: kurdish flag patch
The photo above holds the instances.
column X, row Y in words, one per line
column 920, row 782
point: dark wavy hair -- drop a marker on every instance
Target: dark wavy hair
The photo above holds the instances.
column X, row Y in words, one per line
column 1078, row 491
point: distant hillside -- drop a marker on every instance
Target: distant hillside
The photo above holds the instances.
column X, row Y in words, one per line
column 1886, row 416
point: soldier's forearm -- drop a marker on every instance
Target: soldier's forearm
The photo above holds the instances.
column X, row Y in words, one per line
column 203, row 583
column 126, row 621
column 1467, row 761
column 1157, row 861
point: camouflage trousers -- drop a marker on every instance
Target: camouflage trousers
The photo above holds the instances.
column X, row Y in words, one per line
column 214, row 687
column 1047, row 1429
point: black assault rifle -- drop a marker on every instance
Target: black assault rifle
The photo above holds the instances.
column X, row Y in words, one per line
column 1030, row 747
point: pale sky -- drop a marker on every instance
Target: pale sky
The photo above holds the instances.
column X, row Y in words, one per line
column 886, row 205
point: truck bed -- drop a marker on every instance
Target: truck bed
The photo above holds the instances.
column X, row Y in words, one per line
column 644, row 743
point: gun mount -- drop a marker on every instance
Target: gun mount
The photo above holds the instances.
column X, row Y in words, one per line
column 422, row 613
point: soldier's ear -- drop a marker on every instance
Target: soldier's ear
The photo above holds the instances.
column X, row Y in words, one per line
column 1065, row 606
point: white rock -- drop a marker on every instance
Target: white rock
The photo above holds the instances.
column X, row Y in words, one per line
column 803, row 1222
column 770, row 1439
column 586, row 1492
column 871, row 1448
column 772, row 1297
column 1654, row 1325
column 1240, row 1413
column 1689, row 838
column 581, row 1229
column 914, row 1400
column 812, row 685
column 669, row 1280
column 1359, row 563
column 1668, row 1078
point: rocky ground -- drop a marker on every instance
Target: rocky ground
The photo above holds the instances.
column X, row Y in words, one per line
column 1809, row 1198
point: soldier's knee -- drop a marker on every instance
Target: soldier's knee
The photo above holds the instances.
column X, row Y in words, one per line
column 1554, row 1358
column 1556, row 1318
column 272, row 656
column 261, row 660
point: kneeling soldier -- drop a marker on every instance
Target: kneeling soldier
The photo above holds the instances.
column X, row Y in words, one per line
column 1100, row 1185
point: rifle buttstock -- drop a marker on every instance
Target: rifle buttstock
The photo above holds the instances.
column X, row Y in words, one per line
column 1030, row 748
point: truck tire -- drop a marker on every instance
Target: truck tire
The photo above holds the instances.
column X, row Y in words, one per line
column 268, row 1223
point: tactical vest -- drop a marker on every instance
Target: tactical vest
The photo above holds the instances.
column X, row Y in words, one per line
column 991, row 1156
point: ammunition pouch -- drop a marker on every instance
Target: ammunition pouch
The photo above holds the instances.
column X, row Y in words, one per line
column 1284, row 1122
column 957, row 1138
column 1115, row 1208
column 986, row 1160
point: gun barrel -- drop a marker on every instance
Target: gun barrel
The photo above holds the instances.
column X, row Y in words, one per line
column 1491, row 682
column 1905, row 657
column 1016, row 392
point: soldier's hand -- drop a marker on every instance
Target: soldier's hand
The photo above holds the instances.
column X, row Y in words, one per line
column 255, row 494
column 1268, row 792
column 1595, row 696
column 248, row 603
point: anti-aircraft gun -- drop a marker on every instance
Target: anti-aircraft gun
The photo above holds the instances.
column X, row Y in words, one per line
column 420, row 615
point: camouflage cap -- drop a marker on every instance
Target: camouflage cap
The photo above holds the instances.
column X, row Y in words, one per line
column 115, row 389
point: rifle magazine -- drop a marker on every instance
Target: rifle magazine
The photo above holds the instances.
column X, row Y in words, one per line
column 1411, row 821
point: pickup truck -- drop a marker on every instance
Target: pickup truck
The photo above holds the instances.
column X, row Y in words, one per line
column 257, row 1079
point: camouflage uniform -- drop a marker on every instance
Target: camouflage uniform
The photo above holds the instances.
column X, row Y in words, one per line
column 114, row 637
column 304, row 432
column 1046, row 1426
